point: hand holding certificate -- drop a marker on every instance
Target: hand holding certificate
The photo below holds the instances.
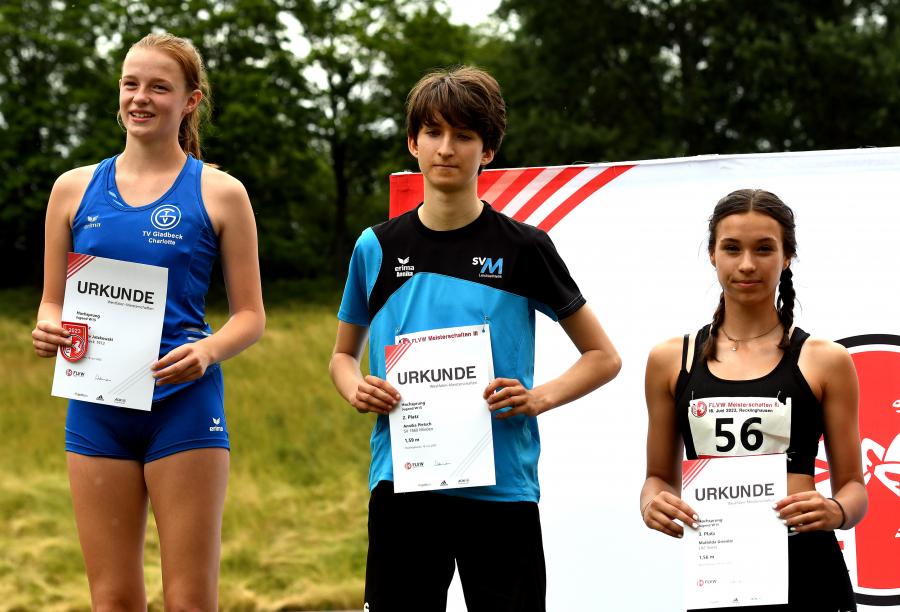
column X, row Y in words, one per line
column 441, row 431
column 738, row 556
column 114, row 312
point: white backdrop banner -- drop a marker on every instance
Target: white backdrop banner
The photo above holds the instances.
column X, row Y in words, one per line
column 634, row 238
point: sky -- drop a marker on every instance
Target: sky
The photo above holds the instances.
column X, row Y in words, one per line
column 471, row 12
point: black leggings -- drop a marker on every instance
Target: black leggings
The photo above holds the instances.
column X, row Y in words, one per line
column 818, row 578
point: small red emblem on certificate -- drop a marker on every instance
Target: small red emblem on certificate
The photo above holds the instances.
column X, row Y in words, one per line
column 78, row 334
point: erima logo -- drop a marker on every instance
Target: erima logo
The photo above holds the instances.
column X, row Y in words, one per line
column 403, row 269
column 488, row 267
column 92, row 222
column 216, row 427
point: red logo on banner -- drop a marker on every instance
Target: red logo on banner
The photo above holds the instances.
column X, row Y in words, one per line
column 878, row 535
column 68, row 372
column 78, row 334
column 699, row 409
column 699, row 583
column 409, row 466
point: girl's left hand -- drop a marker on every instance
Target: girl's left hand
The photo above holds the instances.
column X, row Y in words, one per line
column 513, row 395
column 809, row 511
column 186, row 363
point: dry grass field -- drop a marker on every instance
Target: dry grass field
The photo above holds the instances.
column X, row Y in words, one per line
column 294, row 535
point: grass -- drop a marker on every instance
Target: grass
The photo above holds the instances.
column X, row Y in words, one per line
column 294, row 533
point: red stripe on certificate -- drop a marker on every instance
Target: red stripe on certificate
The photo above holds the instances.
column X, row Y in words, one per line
column 392, row 354
column 76, row 263
column 692, row 469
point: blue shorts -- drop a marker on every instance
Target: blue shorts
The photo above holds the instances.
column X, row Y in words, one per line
column 192, row 418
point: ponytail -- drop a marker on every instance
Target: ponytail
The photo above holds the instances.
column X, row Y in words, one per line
column 709, row 347
column 785, row 307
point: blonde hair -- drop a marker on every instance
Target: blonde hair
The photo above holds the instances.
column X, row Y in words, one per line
column 195, row 77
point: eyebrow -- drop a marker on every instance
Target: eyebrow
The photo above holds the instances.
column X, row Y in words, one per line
column 735, row 240
column 153, row 80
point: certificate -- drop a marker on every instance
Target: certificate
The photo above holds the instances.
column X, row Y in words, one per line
column 114, row 312
column 441, row 431
column 738, row 556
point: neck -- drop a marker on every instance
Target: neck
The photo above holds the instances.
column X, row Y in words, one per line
column 748, row 320
column 151, row 157
column 443, row 211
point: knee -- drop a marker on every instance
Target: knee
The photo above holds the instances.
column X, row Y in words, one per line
column 181, row 604
column 113, row 603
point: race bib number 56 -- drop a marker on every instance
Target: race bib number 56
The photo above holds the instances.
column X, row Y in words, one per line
column 738, row 426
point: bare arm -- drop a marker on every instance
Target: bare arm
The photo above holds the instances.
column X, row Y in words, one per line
column 599, row 363
column 369, row 394
column 661, row 495
column 229, row 209
column 65, row 198
column 830, row 369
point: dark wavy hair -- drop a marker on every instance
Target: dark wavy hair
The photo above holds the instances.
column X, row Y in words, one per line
column 463, row 96
column 757, row 200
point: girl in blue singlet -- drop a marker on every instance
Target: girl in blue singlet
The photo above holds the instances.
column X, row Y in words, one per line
column 156, row 204
column 752, row 350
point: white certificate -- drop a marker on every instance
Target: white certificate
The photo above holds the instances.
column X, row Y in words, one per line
column 738, row 556
column 441, row 431
column 114, row 311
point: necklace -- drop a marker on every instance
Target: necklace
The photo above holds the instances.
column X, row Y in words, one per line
column 737, row 343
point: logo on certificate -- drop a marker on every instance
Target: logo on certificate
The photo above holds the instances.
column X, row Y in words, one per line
column 78, row 334
column 698, row 409
column 165, row 217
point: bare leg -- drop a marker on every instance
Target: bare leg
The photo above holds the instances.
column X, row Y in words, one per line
column 110, row 502
column 187, row 491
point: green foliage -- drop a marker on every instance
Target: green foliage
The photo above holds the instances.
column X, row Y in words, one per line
column 294, row 530
column 631, row 79
column 313, row 135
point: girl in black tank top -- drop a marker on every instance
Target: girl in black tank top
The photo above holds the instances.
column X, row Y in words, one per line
column 752, row 384
column 785, row 384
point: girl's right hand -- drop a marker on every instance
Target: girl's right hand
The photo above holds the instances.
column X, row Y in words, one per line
column 661, row 512
column 47, row 338
column 375, row 395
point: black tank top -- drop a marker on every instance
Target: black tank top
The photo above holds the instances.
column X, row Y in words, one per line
column 773, row 414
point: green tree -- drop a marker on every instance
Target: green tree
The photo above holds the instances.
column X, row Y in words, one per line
column 632, row 79
column 54, row 95
column 368, row 54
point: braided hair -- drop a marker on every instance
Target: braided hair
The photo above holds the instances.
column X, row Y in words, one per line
column 744, row 201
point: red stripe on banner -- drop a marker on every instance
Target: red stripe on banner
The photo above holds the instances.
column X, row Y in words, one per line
column 552, row 186
column 76, row 262
column 487, row 179
column 521, row 182
column 393, row 353
column 586, row 191
column 408, row 190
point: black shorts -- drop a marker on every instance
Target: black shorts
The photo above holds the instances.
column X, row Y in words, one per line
column 417, row 539
column 817, row 577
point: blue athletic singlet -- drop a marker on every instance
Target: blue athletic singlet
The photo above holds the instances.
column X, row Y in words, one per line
column 173, row 232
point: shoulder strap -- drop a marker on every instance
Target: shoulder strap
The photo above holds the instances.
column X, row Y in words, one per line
column 684, row 351
column 684, row 376
column 797, row 339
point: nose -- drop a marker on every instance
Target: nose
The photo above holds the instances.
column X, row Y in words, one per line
column 142, row 95
column 747, row 262
column 445, row 149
